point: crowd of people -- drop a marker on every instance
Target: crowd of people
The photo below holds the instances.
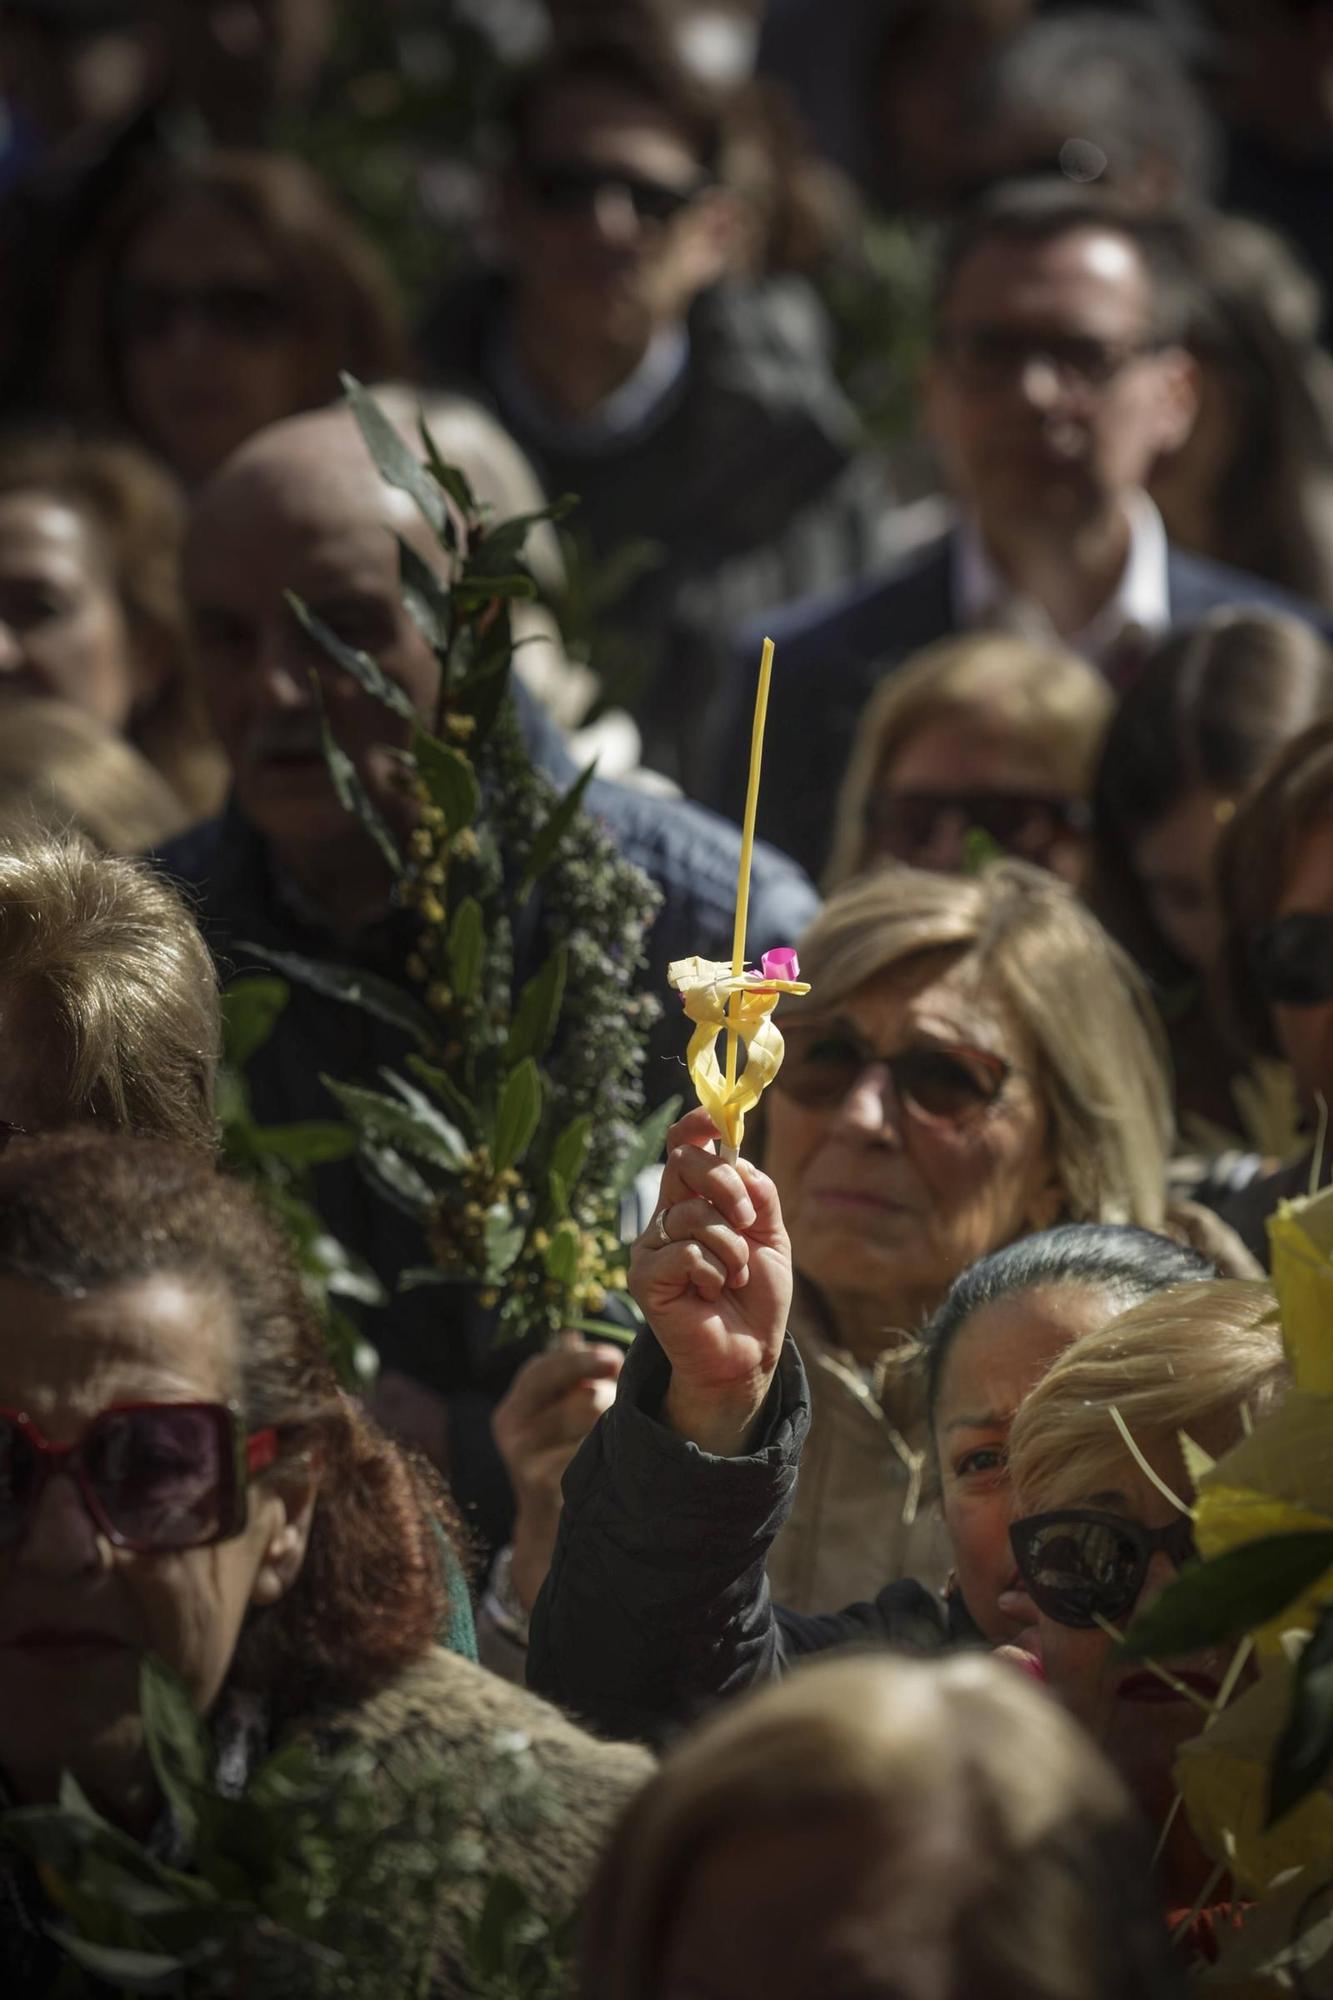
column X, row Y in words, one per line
column 1047, row 808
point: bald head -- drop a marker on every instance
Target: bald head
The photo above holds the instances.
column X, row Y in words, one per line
column 301, row 508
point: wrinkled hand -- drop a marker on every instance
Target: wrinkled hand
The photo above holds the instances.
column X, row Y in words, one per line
column 712, row 1275
column 551, row 1405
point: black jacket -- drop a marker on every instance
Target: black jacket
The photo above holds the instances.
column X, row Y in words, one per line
column 657, row 1603
column 833, row 651
column 748, row 486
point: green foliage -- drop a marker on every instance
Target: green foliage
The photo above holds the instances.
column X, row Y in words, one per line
column 277, row 1161
column 519, row 1131
column 1305, row 1748
column 1221, row 1600
column 324, row 1878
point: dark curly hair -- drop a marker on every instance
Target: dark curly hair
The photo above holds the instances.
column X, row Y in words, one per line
column 80, row 1211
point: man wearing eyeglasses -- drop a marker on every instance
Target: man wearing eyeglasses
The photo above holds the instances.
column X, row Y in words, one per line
column 1058, row 377
column 693, row 413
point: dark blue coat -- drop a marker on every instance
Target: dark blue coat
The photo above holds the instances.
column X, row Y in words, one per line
column 833, row 650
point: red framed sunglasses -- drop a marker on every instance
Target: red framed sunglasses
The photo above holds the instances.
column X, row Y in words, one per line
column 153, row 1476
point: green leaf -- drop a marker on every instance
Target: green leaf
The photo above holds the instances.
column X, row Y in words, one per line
column 645, row 1150
column 543, row 850
column 538, row 1009
column 375, row 996
column 450, row 477
column 504, row 1240
column 430, row 1115
column 449, row 779
column 519, row 1111
column 396, row 1179
column 1305, row 1748
column 352, row 794
column 448, row 1092
column 558, row 1190
column 127, row 1971
column 570, row 1150
column 396, row 464
column 176, row 1741
column 506, row 539
column 426, row 596
column 562, row 1254
column 385, row 1121
column 1218, row 1601
column 467, row 947
column 475, row 591
column 250, row 1008
column 354, row 662
column 309, row 1142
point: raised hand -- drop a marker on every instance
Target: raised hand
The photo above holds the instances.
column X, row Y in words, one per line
column 712, row 1274
column 552, row 1403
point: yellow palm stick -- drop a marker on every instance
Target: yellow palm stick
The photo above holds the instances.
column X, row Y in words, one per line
column 747, row 853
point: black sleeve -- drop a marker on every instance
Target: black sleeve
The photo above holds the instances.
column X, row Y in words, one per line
column 657, row 1600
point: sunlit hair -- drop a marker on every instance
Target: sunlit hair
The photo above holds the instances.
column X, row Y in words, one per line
column 1045, row 1892
column 1050, row 703
column 1254, row 858
column 1123, row 1265
column 121, row 980
column 61, row 770
column 1100, row 1063
column 1182, row 1358
column 134, row 515
column 79, row 1211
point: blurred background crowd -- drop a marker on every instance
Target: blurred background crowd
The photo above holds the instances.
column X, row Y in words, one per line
column 976, row 350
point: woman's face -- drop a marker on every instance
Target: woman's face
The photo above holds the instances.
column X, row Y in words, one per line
column 63, row 631
column 1139, row 1721
column 77, row 1614
column 1174, row 864
column 210, row 338
column 1000, row 1354
column 1306, row 1033
column 885, row 1207
column 972, row 773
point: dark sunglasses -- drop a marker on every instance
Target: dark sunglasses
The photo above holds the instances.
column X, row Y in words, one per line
column 905, row 824
column 249, row 313
column 1080, row 1566
column 1292, row 960
column 153, row 1476
column 943, row 1086
column 989, row 357
column 573, row 187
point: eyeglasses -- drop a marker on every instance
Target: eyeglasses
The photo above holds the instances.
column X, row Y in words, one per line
column 938, row 1085
column 153, row 1476
column 254, row 314
column 989, row 357
column 9, row 1130
column 1292, row 960
column 907, row 824
column 1081, row 1566
column 573, row 187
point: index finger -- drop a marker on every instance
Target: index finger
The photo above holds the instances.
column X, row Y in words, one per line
column 695, row 1128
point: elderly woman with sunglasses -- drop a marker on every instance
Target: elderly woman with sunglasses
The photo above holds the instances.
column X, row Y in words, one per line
column 976, row 1061
column 1101, row 1529
column 1275, row 885
column 183, row 1478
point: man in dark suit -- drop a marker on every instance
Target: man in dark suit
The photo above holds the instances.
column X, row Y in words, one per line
column 1057, row 378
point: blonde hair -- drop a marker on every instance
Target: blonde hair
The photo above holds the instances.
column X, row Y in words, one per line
column 124, row 977
column 1048, row 699
column 1101, row 1055
column 1044, row 1840
column 63, row 770
column 1182, row 1357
